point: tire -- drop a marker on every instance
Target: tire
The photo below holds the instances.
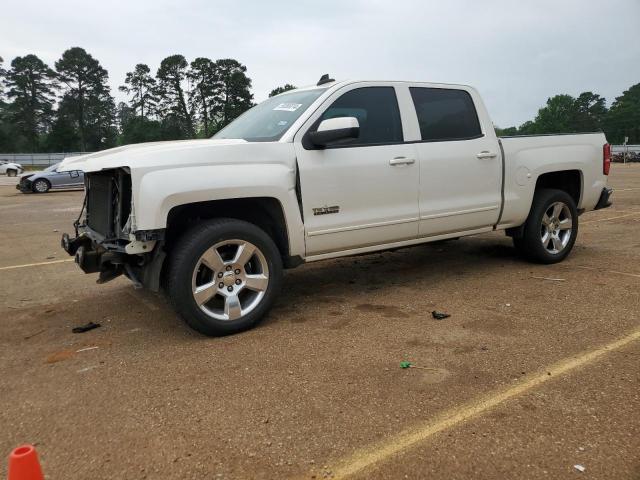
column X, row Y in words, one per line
column 41, row 186
column 551, row 228
column 12, row 173
column 213, row 262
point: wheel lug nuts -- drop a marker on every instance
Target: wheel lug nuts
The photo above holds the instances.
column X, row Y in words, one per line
column 221, row 285
column 230, row 289
column 220, row 275
column 228, row 268
column 238, row 282
column 237, row 271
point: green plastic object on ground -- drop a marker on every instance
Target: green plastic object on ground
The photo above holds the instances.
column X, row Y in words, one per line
column 405, row 364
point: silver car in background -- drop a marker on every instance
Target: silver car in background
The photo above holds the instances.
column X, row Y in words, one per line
column 50, row 179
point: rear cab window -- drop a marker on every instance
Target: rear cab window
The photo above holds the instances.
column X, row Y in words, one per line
column 445, row 114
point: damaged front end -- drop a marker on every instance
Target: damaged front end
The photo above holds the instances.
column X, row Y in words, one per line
column 106, row 241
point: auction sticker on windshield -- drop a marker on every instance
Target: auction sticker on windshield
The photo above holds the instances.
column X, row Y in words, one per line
column 288, row 107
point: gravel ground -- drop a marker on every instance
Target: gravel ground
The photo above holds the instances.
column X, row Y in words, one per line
column 316, row 390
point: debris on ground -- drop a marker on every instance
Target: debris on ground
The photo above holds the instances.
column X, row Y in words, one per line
column 580, row 468
column 86, row 349
column 85, row 328
column 439, row 315
column 33, row 334
column 86, row 369
column 405, row 364
column 551, row 279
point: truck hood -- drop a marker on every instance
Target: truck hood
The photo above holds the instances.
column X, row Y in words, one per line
column 159, row 155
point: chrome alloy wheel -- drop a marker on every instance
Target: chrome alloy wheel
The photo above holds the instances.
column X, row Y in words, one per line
column 556, row 228
column 230, row 279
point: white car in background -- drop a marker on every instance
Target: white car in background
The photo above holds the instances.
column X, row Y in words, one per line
column 10, row 169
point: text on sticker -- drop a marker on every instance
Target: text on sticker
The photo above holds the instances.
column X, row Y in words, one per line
column 288, row 107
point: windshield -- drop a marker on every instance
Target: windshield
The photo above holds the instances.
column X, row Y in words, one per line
column 52, row 168
column 269, row 120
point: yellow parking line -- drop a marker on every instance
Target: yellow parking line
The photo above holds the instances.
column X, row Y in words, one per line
column 11, row 267
column 610, row 218
column 382, row 451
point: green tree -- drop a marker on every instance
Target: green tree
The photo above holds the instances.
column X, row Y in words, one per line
column 504, row 132
column 5, row 136
column 590, row 111
column 172, row 97
column 278, row 90
column 134, row 128
column 31, row 91
column 234, row 96
column 87, row 100
column 557, row 116
column 206, row 86
column 3, row 72
column 623, row 118
column 140, row 85
column 63, row 136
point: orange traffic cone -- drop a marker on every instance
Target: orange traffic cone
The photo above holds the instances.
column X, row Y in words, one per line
column 24, row 465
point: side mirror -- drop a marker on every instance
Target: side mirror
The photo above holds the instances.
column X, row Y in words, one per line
column 334, row 130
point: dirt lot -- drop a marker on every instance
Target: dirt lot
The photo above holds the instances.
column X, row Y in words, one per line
column 528, row 377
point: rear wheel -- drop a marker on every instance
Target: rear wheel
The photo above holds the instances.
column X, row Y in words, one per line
column 41, row 186
column 551, row 229
column 12, row 173
column 223, row 276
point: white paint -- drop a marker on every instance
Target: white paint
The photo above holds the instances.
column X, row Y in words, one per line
column 388, row 195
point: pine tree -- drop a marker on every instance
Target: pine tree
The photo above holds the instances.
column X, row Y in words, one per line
column 87, row 99
column 172, row 96
column 234, row 97
column 31, row 92
column 140, row 84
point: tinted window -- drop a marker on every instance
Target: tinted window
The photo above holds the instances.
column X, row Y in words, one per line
column 445, row 114
column 376, row 109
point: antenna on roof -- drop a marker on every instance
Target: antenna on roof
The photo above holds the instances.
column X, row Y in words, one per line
column 325, row 79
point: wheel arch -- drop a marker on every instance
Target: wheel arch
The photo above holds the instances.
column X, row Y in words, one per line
column 570, row 181
column 266, row 213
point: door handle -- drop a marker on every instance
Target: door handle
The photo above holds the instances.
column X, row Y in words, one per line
column 402, row 161
column 485, row 154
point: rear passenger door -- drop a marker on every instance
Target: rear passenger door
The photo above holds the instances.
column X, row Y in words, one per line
column 460, row 164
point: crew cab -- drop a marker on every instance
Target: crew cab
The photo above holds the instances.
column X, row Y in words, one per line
column 339, row 168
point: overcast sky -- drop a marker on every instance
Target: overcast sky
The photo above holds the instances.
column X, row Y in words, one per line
column 517, row 53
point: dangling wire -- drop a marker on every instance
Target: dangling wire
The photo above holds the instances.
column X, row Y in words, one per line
column 76, row 224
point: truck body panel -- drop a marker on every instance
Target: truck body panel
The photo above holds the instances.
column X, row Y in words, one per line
column 338, row 200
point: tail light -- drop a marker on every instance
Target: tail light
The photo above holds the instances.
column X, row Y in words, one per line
column 606, row 158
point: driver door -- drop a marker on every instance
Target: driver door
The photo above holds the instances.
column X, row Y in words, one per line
column 363, row 192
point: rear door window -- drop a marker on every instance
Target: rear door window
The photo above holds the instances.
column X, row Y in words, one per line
column 445, row 114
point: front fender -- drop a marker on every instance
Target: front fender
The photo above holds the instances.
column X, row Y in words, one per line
column 155, row 193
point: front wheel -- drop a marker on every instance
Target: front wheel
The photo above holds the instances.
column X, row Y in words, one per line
column 41, row 186
column 223, row 276
column 12, row 173
column 551, row 228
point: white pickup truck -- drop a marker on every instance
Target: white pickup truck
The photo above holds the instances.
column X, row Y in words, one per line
column 340, row 168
